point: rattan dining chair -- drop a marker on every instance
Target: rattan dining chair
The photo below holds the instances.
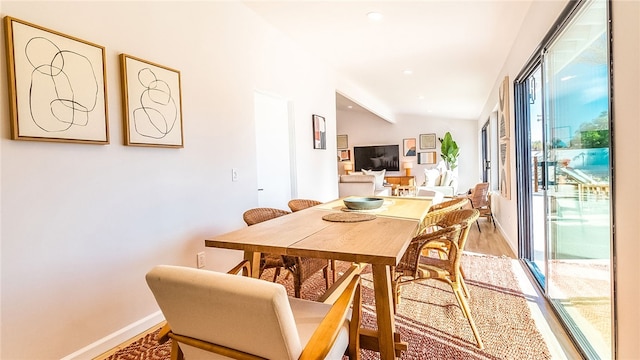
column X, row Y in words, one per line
column 480, row 198
column 301, row 204
column 415, row 267
column 301, row 268
column 438, row 211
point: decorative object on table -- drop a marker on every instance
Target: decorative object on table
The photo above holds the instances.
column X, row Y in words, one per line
column 409, row 147
column 407, row 165
column 342, row 141
column 449, row 151
column 57, row 86
column 348, row 167
column 152, row 103
column 344, row 155
column 319, row 132
column 363, row 203
column 503, row 109
column 427, row 141
column 428, row 157
column 348, row 217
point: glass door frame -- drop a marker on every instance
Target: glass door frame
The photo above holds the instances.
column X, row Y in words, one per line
column 523, row 174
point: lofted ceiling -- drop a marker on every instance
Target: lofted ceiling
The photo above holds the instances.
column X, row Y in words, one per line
column 454, row 49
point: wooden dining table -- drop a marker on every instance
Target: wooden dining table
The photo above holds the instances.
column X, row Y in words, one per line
column 380, row 242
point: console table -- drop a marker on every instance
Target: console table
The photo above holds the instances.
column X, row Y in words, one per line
column 401, row 184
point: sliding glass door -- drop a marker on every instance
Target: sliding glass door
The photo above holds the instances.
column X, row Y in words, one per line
column 566, row 221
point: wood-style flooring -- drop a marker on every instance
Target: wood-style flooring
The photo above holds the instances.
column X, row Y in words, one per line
column 488, row 241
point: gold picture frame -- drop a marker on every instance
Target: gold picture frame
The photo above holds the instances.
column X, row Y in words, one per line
column 57, row 85
column 152, row 104
column 427, row 141
column 342, row 141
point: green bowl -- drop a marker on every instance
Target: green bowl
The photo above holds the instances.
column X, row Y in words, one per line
column 365, row 203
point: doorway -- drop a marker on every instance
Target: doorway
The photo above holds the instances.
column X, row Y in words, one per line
column 273, row 150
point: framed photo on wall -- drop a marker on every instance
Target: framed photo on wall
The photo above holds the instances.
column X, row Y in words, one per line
column 152, row 103
column 319, row 132
column 409, row 147
column 427, row 141
column 344, row 155
column 342, row 141
column 57, row 86
column 428, row 157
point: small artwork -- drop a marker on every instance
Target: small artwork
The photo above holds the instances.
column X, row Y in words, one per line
column 409, row 147
column 505, row 173
column 503, row 109
column 342, row 141
column 427, row 141
column 428, row 157
column 152, row 104
column 344, row 155
column 319, row 132
column 57, row 86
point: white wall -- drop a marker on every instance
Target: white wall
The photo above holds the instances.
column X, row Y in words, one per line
column 538, row 21
column 82, row 224
column 626, row 133
column 365, row 128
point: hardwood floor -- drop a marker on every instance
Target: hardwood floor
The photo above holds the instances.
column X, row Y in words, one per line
column 489, row 242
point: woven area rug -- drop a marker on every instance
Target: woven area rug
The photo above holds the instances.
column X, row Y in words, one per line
column 429, row 318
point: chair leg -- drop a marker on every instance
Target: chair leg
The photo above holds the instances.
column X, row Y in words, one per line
column 325, row 273
column 464, row 306
column 477, row 223
column 297, row 285
column 465, row 290
column 276, row 273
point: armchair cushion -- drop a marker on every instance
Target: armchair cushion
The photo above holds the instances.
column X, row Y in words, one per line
column 360, row 185
column 248, row 315
column 379, row 177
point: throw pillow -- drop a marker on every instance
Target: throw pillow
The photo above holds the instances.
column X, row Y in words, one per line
column 447, row 177
column 431, row 177
column 379, row 177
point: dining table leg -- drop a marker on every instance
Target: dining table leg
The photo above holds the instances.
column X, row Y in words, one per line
column 254, row 260
column 384, row 311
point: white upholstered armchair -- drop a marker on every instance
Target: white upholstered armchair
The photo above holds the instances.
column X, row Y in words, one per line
column 212, row 315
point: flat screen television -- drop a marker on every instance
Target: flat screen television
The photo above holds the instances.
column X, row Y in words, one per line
column 377, row 157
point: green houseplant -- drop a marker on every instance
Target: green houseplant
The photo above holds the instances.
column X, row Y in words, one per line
column 449, row 151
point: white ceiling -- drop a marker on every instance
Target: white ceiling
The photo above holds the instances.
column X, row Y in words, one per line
column 454, row 48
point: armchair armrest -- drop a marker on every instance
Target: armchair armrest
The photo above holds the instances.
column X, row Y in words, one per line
column 325, row 335
column 244, row 266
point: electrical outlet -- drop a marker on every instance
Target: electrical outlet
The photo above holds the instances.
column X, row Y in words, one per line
column 201, row 260
column 234, row 174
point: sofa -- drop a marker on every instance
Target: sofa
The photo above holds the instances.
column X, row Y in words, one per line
column 441, row 180
column 361, row 185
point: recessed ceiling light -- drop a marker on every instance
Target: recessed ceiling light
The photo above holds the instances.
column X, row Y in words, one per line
column 375, row 16
column 407, row 72
column 421, row 97
column 350, row 107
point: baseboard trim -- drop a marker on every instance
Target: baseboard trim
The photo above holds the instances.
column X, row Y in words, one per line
column 116, row 338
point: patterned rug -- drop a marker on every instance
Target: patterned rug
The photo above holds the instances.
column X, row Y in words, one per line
column 429, row 318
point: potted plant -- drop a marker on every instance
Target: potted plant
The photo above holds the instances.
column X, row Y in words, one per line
column 449, row 151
